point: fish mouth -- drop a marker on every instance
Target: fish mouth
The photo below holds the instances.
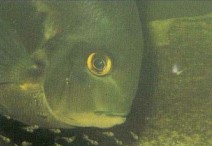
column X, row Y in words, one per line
column 91, row 119
column 110, row 114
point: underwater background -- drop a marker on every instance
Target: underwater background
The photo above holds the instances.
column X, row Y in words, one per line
column 174, row 99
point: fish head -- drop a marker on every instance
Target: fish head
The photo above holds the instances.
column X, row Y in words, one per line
column 83, row 74
column 93, row 68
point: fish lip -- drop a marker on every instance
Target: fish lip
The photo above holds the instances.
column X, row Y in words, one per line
column 110, row 114
column 91, row 119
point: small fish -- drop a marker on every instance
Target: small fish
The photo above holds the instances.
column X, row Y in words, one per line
column 85, row 72
column 134, row 136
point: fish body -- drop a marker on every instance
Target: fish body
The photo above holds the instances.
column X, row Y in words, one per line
column 84, row 73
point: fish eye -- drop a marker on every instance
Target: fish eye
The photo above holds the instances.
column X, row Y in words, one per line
column 99, row 64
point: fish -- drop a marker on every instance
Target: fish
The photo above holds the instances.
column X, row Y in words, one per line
column 78, row 83
column 24, row 84
column 84, row 72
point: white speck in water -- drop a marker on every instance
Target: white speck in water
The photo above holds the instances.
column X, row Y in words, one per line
column 176, row 70
column 67, row 81
column 135, row 136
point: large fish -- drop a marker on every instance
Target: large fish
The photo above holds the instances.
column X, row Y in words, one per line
column 84, row 73
column 138, row 121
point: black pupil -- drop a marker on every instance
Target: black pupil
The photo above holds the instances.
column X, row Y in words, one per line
column 99, row 63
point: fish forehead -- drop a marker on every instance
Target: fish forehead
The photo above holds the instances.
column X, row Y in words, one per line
column 103, row 16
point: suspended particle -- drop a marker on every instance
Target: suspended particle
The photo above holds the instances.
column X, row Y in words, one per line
column 134, row 136
column 67, row 81
column 175, row 69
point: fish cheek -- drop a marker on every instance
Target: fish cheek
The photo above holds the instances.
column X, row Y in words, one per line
column 66, row 85
column 79, row 92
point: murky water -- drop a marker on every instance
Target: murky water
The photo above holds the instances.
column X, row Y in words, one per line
column 173, row 103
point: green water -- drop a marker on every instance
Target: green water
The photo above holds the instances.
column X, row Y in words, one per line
column 176, row 79
column 180, row 37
